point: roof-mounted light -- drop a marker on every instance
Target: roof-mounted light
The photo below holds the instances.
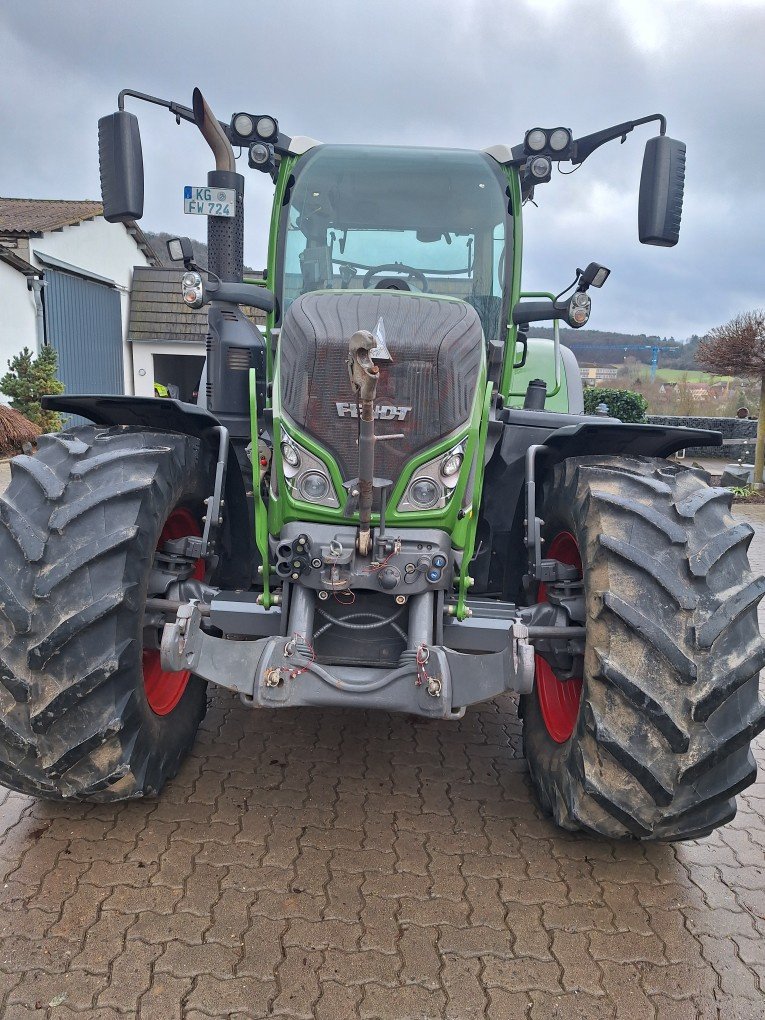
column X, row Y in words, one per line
column 554, row 142
column 536, row 140
column 266, row 128
column 243, row 125
column 560, row 139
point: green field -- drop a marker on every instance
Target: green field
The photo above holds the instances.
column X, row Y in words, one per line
column 686, row 375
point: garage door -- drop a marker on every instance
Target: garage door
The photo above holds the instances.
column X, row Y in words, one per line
column 83, row 324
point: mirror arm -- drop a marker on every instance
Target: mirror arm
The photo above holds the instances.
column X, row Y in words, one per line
column 585, row 146
column 180, row 112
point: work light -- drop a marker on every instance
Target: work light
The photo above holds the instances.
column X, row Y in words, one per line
column 536, row 140
column 266, row 128
column 179, row 249
column 540, row 167
column 243, row 124
column 560, row 139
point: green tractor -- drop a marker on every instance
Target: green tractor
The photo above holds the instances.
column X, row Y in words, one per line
column 391, row 500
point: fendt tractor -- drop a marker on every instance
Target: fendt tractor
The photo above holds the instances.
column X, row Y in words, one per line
column 392, row 499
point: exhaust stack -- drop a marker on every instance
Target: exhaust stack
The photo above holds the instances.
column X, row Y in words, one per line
column 225, row 234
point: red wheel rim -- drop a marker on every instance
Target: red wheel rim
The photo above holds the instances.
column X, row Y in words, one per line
column 164, row 689
column 558, row 699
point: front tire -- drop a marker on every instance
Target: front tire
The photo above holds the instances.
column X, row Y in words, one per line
column 659, row 745
column 79, row 525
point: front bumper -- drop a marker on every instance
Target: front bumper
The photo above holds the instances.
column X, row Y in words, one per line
column 280, row 671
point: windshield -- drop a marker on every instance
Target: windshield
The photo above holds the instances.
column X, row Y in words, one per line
column 425, row 220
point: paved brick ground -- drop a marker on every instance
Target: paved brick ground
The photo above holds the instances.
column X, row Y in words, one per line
column 337, row 865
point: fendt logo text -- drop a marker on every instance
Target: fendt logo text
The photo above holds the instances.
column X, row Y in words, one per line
column 385, row 411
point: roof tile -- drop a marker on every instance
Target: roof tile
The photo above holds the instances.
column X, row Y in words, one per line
column 37, row 215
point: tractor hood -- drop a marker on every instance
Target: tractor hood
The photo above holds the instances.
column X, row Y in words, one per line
column 424, row 393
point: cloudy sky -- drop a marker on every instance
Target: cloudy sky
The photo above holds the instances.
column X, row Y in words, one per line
column 466, row 73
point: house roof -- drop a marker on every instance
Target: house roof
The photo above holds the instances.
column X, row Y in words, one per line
column 27, row 216
column 31, row 217
column 157, row 309
column 16, row 262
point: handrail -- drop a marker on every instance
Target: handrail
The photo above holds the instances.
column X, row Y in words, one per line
column 556, row 344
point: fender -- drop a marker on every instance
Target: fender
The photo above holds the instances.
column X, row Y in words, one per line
column 170, row 415
column 563, row 435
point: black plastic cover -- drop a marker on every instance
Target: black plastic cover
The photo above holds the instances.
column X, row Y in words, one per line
column 120, row 161
column 662, row 183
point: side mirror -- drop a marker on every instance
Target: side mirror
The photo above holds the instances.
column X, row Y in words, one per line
column 662, row 183
column 121, row 164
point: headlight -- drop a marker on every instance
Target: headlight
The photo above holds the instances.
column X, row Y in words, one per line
column 424, row 492
column 536, row 140
column 432, row 485
column 559, row 139
column 313, row 486
column 307, row 477
column 290, row 454
column 451, row 464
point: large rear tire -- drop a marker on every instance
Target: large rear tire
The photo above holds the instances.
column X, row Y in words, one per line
column 79, row 525
column 656, row 745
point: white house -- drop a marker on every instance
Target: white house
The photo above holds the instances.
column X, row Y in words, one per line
column 65, row 280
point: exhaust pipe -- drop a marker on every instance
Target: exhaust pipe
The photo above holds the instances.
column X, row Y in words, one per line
column 213, row 133
column 364, row 375
column 225, row 234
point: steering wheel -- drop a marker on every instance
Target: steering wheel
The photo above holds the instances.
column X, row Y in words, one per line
column 395, row 267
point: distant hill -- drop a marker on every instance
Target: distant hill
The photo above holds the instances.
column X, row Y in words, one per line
column 671, row 352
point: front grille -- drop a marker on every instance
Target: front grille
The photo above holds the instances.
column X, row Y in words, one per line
column 370, row 631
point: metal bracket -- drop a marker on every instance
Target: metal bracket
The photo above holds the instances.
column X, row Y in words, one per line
column 214, row 517
column 523, row 655
column 539, row 569
column 231, row 664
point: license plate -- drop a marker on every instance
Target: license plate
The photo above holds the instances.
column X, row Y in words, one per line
column 209, row 201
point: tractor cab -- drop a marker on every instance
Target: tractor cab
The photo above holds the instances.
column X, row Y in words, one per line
column 422, row 221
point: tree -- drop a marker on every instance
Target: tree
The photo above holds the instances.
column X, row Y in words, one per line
column 28, row 380
column 738, row 348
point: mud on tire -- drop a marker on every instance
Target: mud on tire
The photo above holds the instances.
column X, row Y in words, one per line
column 673, row 652
column 79, row 524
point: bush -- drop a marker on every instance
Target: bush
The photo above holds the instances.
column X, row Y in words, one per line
column 28, row 380
column 623, row 404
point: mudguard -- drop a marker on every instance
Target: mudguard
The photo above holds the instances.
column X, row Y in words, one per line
column 169, row 415
column 563, row 435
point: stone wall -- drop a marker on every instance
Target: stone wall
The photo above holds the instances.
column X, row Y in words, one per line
column 744, row 429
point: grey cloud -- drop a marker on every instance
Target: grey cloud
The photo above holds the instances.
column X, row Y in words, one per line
column 459, row 73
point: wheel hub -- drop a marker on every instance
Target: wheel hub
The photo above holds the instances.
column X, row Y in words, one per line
column 165, row 689
column 558, row 699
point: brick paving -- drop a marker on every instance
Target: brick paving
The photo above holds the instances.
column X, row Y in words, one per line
column 333, row 865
